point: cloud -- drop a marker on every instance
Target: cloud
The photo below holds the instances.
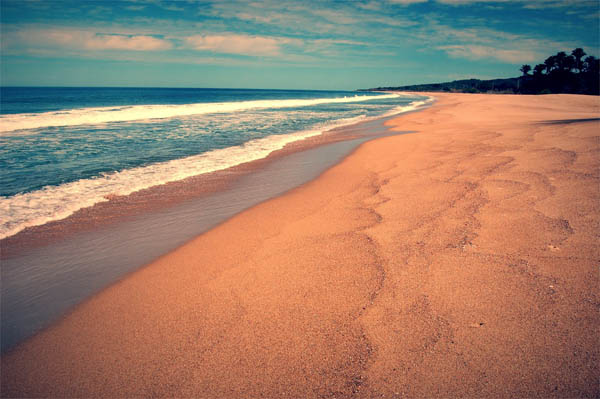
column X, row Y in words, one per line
column 391, row 21
column 255, row 17
column 463, row 2
column 335, row 16
column 120, row 42
column 484, row 43
column 371, row 5
column 541, row 4
column 85, row 40
column 478, row 52
column 406, row 2
column 347, row 20
column 530, row 4
column 237, row 44
column 283, row 19
column 135, row 8
column 172, row 8
column 288, row 32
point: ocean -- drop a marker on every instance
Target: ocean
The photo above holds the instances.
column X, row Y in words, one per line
column 87, row 169
column 64, row 149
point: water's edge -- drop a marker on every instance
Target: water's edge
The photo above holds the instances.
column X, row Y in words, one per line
column 43, row 282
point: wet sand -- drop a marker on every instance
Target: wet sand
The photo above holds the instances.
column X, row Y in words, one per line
column 460, row 261
column 49, row 269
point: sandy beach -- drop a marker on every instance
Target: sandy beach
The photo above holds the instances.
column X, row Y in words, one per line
column 458, row 261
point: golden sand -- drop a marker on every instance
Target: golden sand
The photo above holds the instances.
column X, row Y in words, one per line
column 461, row 260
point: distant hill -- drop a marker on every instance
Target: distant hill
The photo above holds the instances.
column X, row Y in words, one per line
column 559, row 73
column 510, row 85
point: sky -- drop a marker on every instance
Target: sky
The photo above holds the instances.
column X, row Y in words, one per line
column 284, row 44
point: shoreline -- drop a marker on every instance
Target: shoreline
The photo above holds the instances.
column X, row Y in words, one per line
column 189, row 168
column 52, row 268
column 180, row 190
column 459, row 261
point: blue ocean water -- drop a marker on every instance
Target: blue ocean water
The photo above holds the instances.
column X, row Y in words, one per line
column 63, row 149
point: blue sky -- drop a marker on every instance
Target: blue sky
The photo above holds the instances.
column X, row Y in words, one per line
column 284, row 44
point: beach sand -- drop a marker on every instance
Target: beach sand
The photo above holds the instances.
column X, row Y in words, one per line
column 458, row 261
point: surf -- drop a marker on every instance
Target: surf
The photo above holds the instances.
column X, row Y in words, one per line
column 58, row 201
column 99, row 115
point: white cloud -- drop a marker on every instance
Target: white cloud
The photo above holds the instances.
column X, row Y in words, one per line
column 335, row 16
column 478, row 52
column 237, row 44
column 85, row 40
column 119, row 42
column 172, row 7
column 486, row 43
column 245, row 16
column 531, row 4
column 135, row 8
column 291, row 32
column 461, row 2
column 372, row 5
column 391, row 21
column 406, row 2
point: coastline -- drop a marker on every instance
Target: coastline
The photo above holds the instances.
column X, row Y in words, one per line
column 49, row 269
column 459, row 261
column 58, row 202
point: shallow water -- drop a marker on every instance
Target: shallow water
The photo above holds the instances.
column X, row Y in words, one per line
column 65, row 149
column 41, row 283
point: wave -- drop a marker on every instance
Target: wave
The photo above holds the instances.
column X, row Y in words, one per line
column 413, row 106
column 58, row 202
column 91, row 116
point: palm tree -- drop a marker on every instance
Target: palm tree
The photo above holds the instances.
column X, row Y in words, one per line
column 569, row 64
column 538, row 69
column 561, row 60
column 525, row 69
column 550, row 64
column 591, row 64
column 591, row 75
column 578, row 53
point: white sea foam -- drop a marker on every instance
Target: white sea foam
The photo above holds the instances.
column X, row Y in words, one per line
column 91, row 116
column 407, row 108
column 58, row 202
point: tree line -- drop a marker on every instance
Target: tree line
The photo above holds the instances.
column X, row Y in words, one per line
column 562, row 73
